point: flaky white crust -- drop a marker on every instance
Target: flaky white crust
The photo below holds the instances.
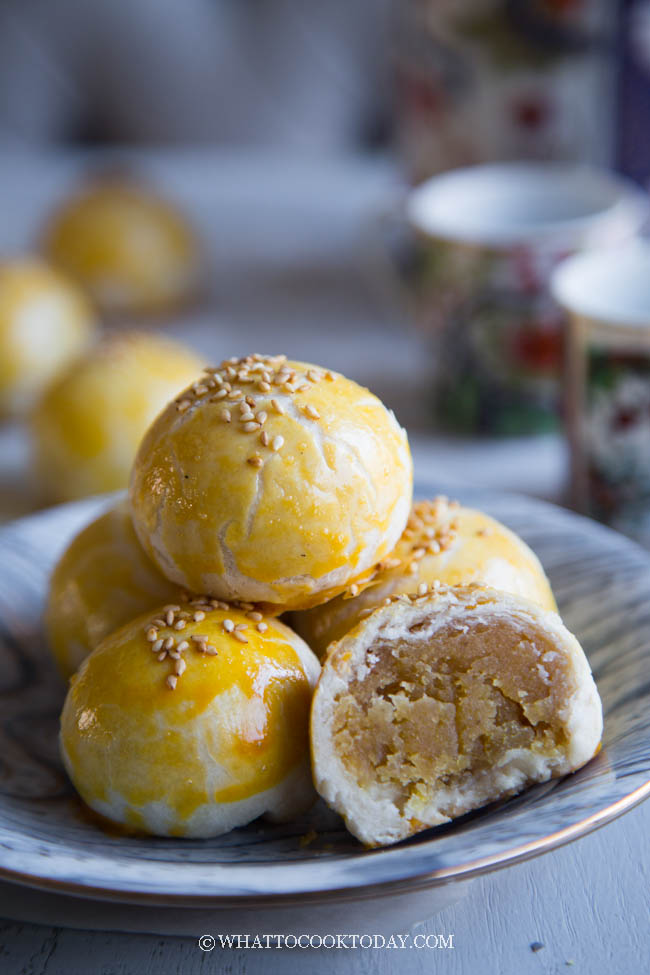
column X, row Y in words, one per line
column 370, row 814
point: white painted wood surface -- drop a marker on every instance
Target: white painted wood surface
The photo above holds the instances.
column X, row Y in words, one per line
column 588, row 904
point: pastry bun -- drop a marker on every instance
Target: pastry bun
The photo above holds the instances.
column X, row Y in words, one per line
column 442, row 541
column 192, row 720
column 45, row 322
column 271, row 481
column 132, row 251
column 103, row 580
column 88, row 424
column 438, row 704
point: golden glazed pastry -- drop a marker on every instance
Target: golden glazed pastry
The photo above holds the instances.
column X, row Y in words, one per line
column 131, row 250
column 435, row 705
column 191, row 721
column 271, row 481
column 45, row 321
column 88, row 424
column 442, row 541
column 103, row 580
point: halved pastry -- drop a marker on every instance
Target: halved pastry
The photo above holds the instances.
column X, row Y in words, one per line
column 438, row 704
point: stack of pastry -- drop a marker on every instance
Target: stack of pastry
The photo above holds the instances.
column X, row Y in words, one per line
column 446, row 678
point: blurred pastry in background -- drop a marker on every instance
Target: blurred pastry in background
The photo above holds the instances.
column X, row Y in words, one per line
column 272, row 481
column 132, row 250
column 438, row 704
column 88, row 424
column 192, row 720
column 442, row 542
column 103, row 580
column 45, row 321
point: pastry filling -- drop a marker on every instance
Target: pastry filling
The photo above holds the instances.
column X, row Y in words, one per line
column 434, row 713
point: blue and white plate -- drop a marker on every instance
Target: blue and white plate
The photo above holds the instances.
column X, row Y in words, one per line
column 47, row 840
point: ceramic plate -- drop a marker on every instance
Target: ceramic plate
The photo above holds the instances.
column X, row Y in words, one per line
column 602, row 582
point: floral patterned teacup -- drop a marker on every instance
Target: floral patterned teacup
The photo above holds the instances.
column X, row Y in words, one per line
column 607, row 296
column 487, row 239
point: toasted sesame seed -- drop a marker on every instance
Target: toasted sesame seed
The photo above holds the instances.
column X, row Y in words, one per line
column 313, row 375
column 264, row 438
column 250, row 401
column 169, row 617
column 247, row 416
column 255, row 460
column 152, row 634
column 277, row 407
column 183, row 405
column 354, row 589
column 157, row 646
column 241, row 626
column 174, row 654
column 180, row 667
column 169, row 643
column 251, row 426
column 162, row 655
column 172, row 681
column 312, row 412
column 264, row 386
column 238, row 635
column 225, row 416
column 255, row 616
column 262, row 627
column 158, row 622
column 173, row 607
column 277, row 442
column 220, row 394
column 235, row 395
column 198, row 616
column 198, row 638
column 261, row 416
column 210, row 650
column 180, row 624
column 200, row 389
column 228, row 626
column 183, row 646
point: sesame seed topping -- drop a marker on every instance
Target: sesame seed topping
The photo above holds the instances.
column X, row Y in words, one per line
column 277, row 442
column 198, row 616
column 228, row 626
column 210, row 650
column 162, row 655
column 172, row 681
column 152, row 634
column 174, row 654
column 169, row 617
column 255, row 461
column 277, row 407
column 158, row 622
column 225, row 416
column 312, row 412
column 183, row 405
column 262, row 627
column 180, row 667
column 422, row 589
column 180, row 624
column 238, row 635
column 169, row 643
column 157, row 646
column 264, row 438
column 221, row 394
column 251, row 426
column 241, row 626
column 264, row 386
column 255, row 616
column 247, row 415
column 183, row 646
column 261, row 416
